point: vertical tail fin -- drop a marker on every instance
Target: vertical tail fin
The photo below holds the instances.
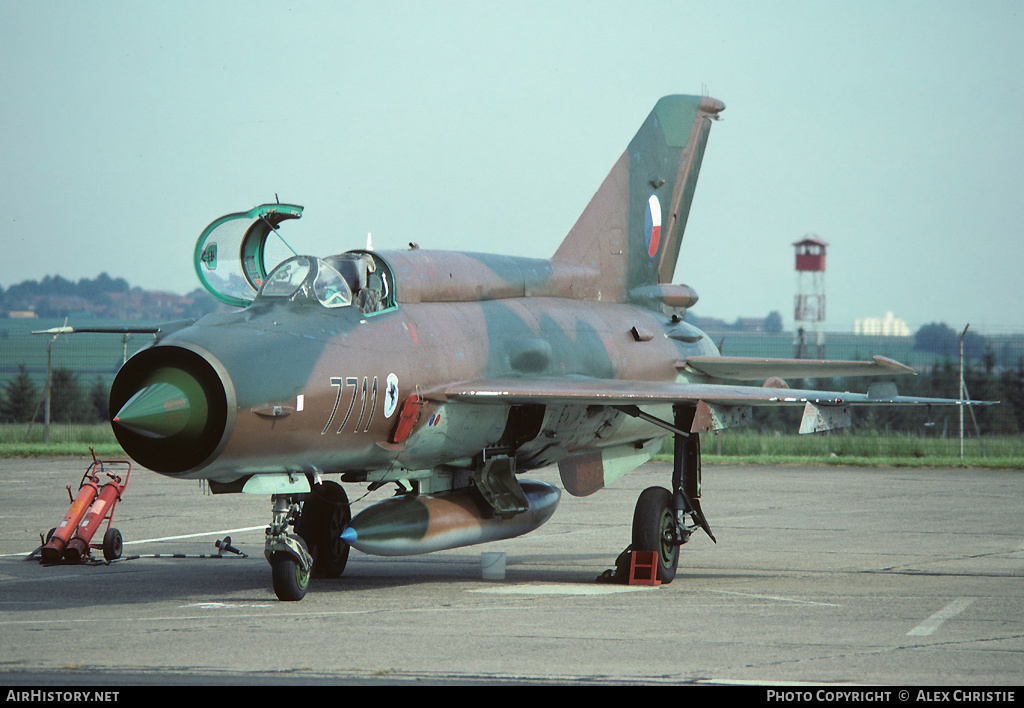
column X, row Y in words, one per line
column 632, row 229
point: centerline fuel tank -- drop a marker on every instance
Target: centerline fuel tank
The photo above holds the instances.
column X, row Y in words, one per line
column 415, row 524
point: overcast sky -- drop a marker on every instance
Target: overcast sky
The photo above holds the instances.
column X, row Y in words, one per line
column 892, row 130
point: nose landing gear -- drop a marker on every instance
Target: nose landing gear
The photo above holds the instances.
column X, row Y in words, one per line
column 290, row 562
column 316, row 547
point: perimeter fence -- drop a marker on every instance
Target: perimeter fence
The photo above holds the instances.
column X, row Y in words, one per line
column 80, row 368
column 75, row 369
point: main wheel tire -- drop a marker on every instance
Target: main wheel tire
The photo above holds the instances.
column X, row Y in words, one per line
column 112, row 544
column 325, row 514
column 653, row 522
column 290, row 582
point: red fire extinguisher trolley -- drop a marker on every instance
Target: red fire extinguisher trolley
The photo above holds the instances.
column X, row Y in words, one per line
column 94, row 503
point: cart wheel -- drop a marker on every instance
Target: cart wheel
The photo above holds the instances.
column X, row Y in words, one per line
column 112, row 544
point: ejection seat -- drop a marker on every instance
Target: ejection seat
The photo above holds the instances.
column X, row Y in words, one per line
column 360, row 272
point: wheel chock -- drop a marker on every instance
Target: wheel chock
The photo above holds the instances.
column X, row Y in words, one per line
column 643, row 568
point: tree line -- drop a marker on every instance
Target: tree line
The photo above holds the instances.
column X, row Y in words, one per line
column 71, row 401
column 28, row 294
column 942, row 380
column 102, row 296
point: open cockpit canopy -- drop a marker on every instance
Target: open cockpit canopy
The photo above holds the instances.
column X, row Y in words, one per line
column 232, row 253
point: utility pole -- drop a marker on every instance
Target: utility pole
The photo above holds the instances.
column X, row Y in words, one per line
column 965, row 400
column 961, row 406
column 46, row 415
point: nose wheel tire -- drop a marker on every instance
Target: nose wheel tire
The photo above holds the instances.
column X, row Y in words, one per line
column 290, row 582
column 655, row 529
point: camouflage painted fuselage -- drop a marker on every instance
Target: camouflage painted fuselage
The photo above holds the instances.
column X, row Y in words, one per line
column 308, row 388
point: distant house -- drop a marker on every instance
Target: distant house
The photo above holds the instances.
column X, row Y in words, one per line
column 888, row 326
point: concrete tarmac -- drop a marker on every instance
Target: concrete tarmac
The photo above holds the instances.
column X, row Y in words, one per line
column 821, row 575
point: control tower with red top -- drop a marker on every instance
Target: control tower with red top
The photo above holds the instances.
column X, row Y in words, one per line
column 809, row 308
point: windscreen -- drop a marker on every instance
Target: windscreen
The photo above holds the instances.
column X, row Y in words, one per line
column 307, row 279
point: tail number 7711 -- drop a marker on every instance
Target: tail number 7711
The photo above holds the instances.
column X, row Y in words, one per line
column 364, row 392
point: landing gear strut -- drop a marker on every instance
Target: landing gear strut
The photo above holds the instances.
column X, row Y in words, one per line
column 686, row 469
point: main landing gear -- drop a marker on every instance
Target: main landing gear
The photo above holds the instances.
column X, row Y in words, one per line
column 659, row 517
column 316, row 547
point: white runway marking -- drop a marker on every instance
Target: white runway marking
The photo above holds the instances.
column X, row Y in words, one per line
column 562, row 589
column 935, row 621
column 221, row 534
column 776, row 598
column 196, row 535
column 223, row 605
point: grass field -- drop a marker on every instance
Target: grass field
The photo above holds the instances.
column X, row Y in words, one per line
column 23, row 440
column 863, row 449
column 732, row 446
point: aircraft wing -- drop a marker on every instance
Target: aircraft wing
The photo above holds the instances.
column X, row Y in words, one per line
column 608, row 392
column 718, row 405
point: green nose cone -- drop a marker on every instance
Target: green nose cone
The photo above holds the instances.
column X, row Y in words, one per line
column 159, row 410
column 171, row 402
